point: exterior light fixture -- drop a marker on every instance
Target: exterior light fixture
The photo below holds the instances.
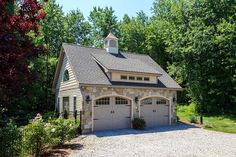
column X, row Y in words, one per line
column 136, row 99
column 87, row 99
column 174, row 99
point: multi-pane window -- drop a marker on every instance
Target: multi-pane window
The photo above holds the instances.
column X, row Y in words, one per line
column 103, row 101
column 139, row 78
column 123, row 77
column 66, row 75
column 75, row 103
column 146, row 79
column 131, row 78
column 161, row 101
column 66, row 103
column 121, row 101
column 147, row 101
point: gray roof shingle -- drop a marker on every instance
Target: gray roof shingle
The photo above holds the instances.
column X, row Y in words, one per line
column 88, row 71
column 122, row 63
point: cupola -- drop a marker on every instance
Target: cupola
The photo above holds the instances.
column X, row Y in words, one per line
column 111, row 44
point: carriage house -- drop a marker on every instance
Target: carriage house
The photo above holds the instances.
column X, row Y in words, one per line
column 113, row 87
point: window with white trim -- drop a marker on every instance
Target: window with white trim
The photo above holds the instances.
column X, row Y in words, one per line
column 66, row 76
column 161, row 101
column 131, row 78
column 139, row 78
column 146, row 79
column 120, row 101
column 123, row 77
column 103, row 101
column 147, row 101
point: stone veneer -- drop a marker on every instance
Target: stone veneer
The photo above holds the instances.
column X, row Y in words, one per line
column 95, row 92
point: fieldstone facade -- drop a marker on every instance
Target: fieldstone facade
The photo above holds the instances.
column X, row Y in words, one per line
column 129, row 92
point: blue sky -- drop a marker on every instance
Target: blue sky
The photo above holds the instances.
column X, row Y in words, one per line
column 121, row 7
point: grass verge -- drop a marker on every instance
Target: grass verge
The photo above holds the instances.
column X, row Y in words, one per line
column 216, row 123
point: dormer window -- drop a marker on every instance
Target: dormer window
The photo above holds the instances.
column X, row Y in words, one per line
column 131, row 78
column 123, row 77
column 146, row 79
column 66, row 76
column 139, row 78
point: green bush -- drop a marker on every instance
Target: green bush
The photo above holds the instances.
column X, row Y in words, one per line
column 65, row 114
column 206, row 124
column 193, row 119
column 139, row 123
column 61, row 130
column 10, row 140
column 35, row 138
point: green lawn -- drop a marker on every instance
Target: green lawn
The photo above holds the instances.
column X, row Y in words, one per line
column 221, row 123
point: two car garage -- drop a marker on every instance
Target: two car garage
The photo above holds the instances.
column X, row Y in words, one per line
column 115, row 112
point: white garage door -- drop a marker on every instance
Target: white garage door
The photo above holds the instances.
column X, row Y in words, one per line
column 155, row 111
column 112, row 113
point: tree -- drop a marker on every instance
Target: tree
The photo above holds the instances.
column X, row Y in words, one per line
column 103, row 21
column 201, row 40
column 133, row 33
column 76, row 28
column 17, row 20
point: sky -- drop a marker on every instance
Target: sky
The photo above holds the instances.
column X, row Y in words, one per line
column 121, row 7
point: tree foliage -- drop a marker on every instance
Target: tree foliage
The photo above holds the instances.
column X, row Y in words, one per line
column 16, row 47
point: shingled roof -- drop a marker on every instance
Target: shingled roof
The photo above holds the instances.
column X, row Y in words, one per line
column 88, row 72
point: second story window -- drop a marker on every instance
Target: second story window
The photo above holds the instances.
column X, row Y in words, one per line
column 139, row 78
column 66, row 76
column 131, row 78
column 146, row 79
column 123, row 77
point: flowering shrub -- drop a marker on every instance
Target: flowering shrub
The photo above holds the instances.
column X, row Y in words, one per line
column 61, row 130
column 36, row 137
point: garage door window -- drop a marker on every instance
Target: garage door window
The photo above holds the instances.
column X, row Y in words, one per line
column 103, row 101
column 161, row 101
column 147, row 101
column 121, row 101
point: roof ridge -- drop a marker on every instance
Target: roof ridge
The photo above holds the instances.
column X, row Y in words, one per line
column 128, row 52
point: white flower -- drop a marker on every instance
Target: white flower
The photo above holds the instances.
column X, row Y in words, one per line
column 53, row 130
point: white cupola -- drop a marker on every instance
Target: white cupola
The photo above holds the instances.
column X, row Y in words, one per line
column 111, row 44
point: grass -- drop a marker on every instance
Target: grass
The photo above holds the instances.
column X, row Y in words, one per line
column 216, row 123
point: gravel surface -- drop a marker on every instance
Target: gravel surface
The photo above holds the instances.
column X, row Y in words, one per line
column 172, row 141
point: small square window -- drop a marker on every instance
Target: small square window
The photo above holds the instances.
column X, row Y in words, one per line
column 146, row 79
column 122, row 77
column 131, row 78
column 139, row 78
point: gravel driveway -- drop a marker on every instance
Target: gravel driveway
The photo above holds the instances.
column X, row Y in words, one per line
column 172, row 141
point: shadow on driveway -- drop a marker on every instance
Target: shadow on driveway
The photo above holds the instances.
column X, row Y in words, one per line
column 177, row 126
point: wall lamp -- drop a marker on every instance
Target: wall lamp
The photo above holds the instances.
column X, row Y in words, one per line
column 87, row 99
column 136, row 99
column 174, row 99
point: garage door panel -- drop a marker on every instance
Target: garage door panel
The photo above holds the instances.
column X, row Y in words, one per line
column 154, row 112
column 115, row 115
column 102, row 111
column 121, row 110
column 102, row 124
column 121, row 123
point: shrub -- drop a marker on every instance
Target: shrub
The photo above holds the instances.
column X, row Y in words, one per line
column 193, row 119
column 35, row 138
column 65, row 114
column 206, row 124
column 62, row 130
column 139, row 123
column 10, row 140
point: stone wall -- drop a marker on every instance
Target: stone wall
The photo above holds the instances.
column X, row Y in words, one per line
column 95, row 92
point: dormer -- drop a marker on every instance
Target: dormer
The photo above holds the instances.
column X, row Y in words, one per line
column 111, row 44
